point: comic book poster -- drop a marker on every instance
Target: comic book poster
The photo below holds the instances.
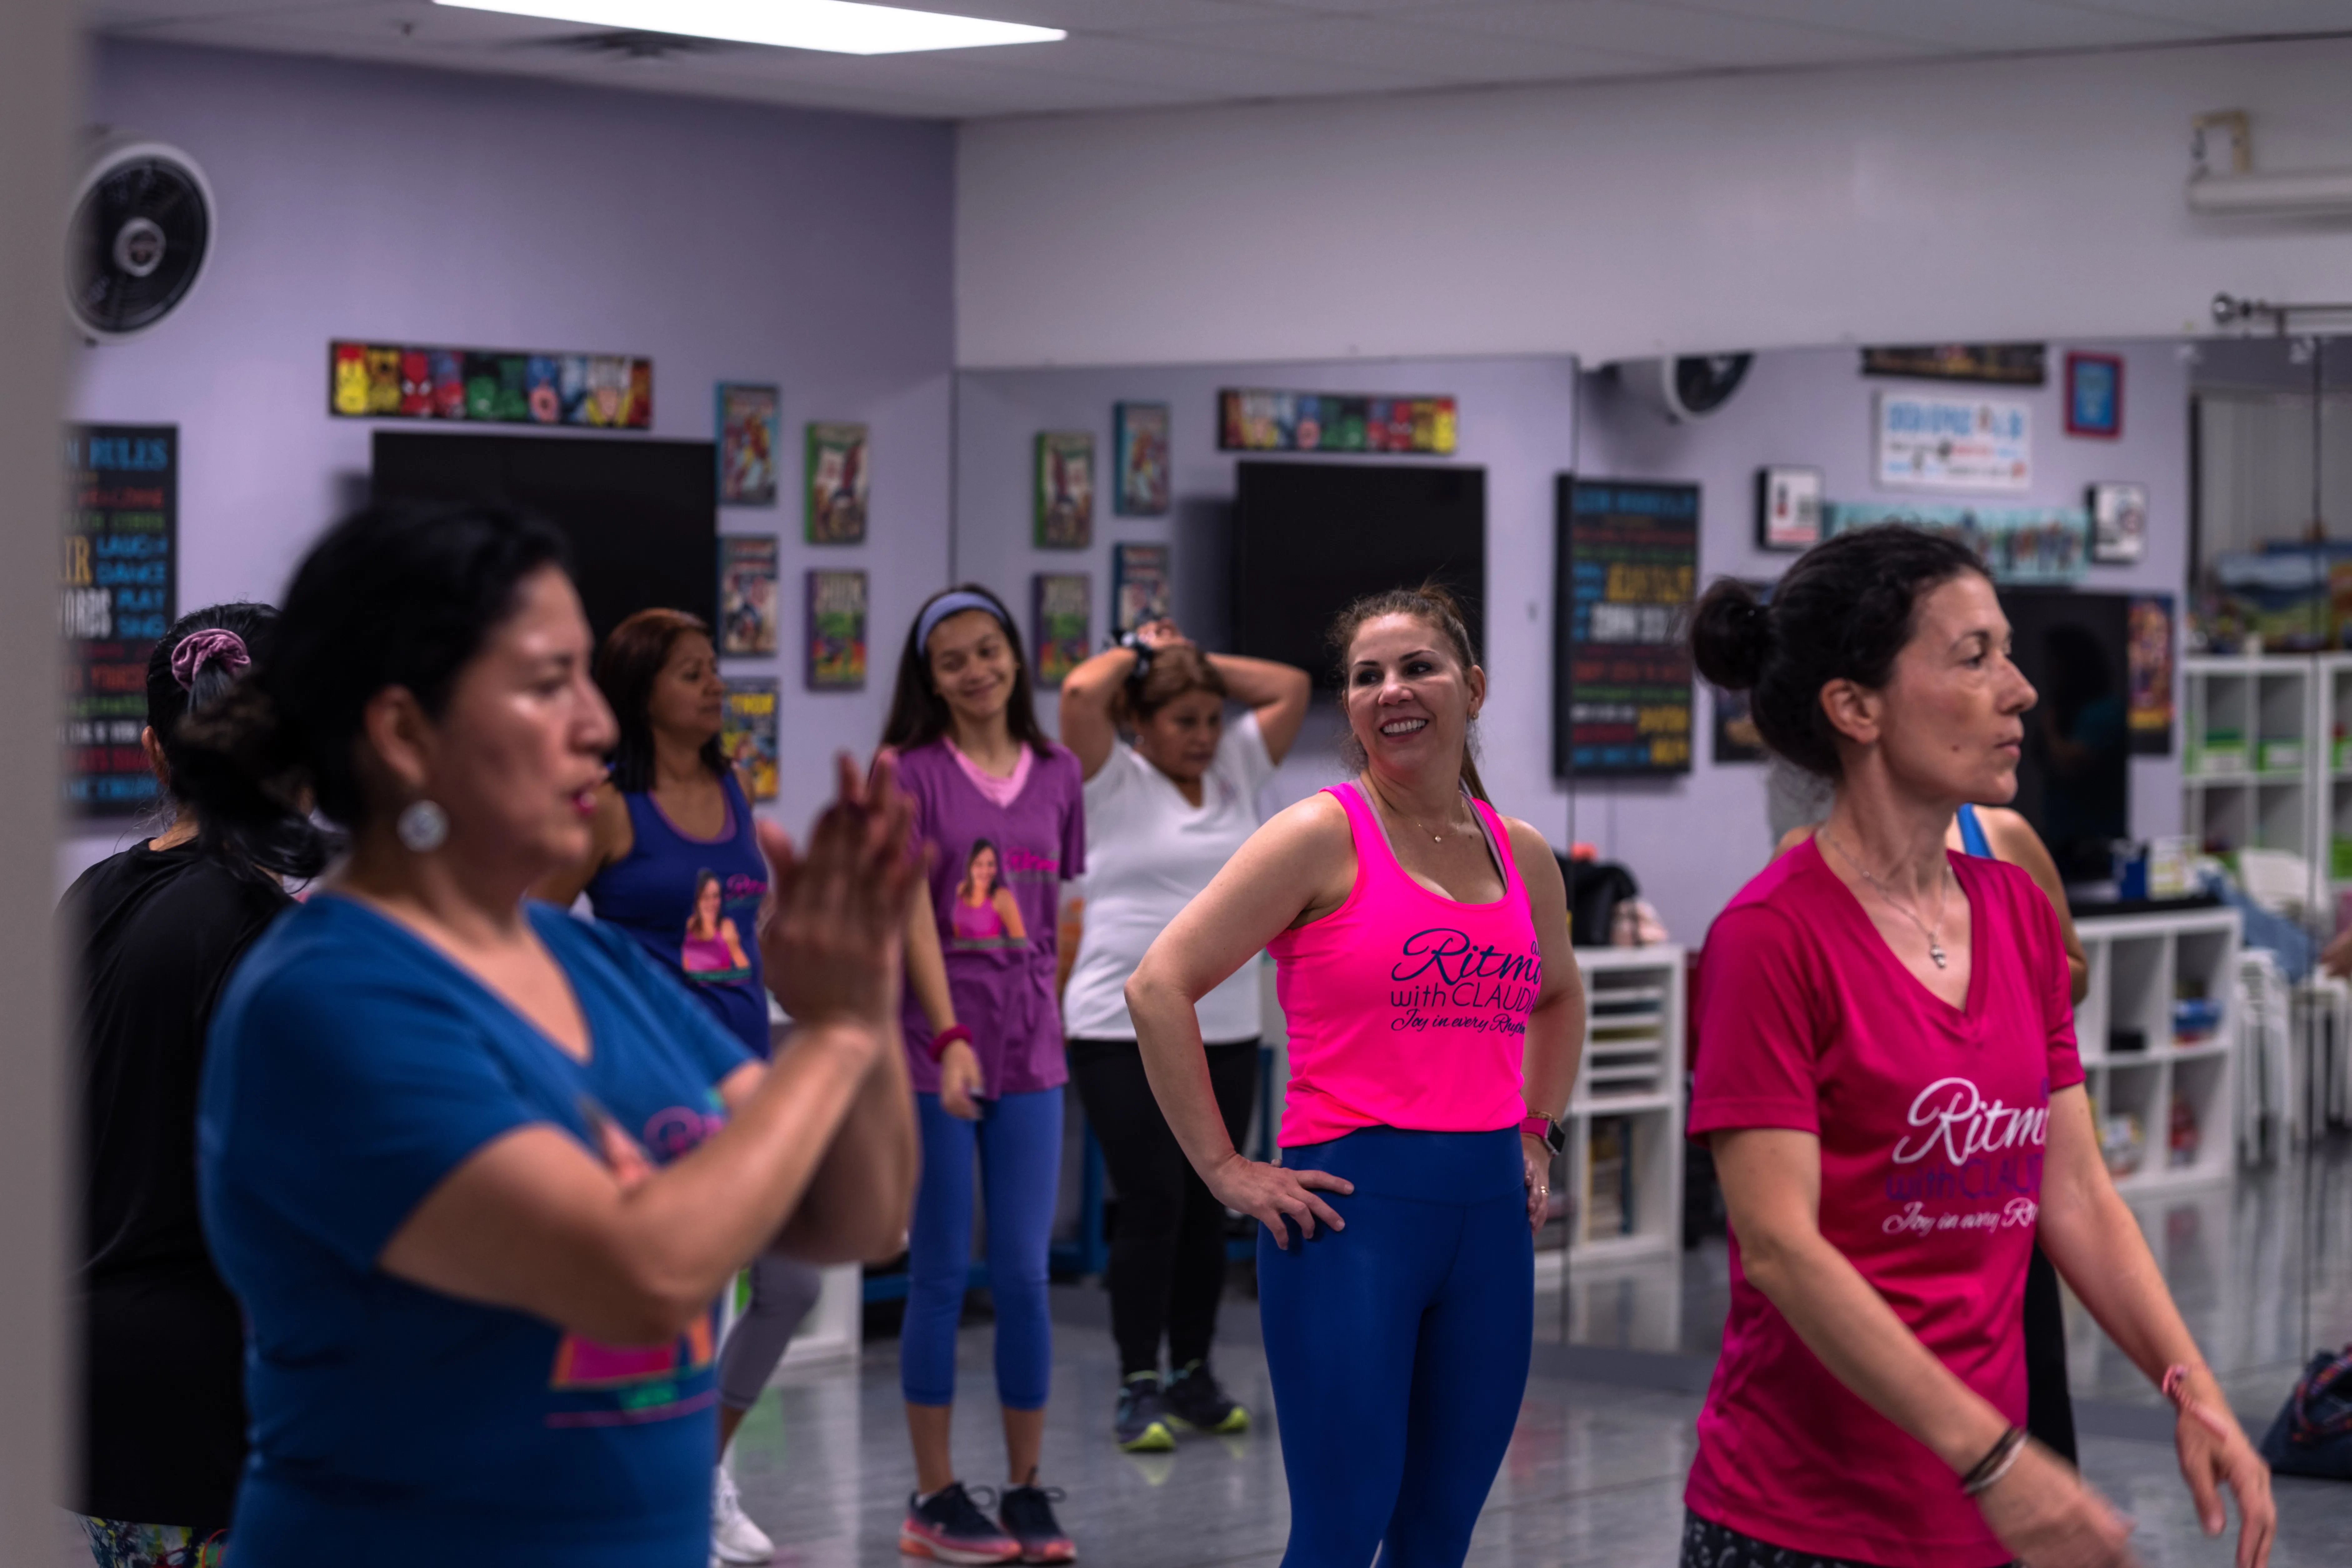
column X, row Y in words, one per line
column 748, row 435
column 2024, row 544
column 1063, row 602
column 492, row 386
column 118, row 587
column 1138, row 587
column 747, row 593
column 747, row 732
column 837, row 631
column 1264, row 420
column 1066, row 490
column 838, row 476
column 1141, row 437
column 2010, row 365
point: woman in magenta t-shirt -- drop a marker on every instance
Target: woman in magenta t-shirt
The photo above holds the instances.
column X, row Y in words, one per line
column 999, row 807
column 1886, row 1072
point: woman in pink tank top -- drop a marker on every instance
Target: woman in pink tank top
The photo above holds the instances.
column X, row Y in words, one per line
column 1434, row 1017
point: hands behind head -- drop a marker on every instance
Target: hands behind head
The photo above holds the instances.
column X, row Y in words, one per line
column 833, row 923
column 1161, row 633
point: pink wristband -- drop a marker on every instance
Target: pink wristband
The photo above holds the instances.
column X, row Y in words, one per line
column 2176, row 1388
column 948, row 1036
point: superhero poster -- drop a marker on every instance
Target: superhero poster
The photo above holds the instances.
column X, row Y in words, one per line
column 1063, row 602
column 118, row 592
column 1140, row 436
column 489, row 386
column 837, row 631
column 747, row 732
column 838, row 483
column 747, row 594
column 1065, row 487
column 748, row 435
column 1138, row 587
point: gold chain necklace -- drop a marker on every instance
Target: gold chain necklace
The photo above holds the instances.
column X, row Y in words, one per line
column 1377, row 795
column 1934, row 934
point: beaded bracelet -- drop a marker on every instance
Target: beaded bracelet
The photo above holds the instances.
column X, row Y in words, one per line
column 1996, row 1464
column 948, row 1036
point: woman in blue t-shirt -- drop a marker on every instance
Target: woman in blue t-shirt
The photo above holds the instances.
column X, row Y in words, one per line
column 476, row 1171
column 673, row 861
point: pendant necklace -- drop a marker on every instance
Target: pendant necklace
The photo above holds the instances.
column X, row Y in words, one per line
column 1433, row 838
column 1935, row 933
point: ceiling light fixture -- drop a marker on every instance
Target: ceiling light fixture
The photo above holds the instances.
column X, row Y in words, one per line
column 839, row 27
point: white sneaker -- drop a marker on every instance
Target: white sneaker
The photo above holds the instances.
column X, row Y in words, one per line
column 733, row 1537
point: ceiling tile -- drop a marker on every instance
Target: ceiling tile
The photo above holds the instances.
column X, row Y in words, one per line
column 1976, row 27
column 2237, row 18
column 1673, row 32
column 1423, row 53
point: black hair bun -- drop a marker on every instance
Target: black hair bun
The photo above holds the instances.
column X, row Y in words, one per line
column 1731, row 635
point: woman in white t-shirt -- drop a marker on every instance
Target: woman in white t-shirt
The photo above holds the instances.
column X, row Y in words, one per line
column 1163, row 818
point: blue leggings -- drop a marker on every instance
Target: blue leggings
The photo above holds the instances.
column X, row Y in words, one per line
column 1398, row 1348
column 1019, row 1140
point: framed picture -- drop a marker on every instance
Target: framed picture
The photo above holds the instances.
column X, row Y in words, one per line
column 2006, row 365
column 1066, row 490
column 1140, row 436
column 837, row 631
column 1788, row 509
column 747, row 731
column 2149, row 661
column 2094, row 395
column 1138, row 587
column 747, row 593
column 2118, row 523
column 837, row 471
column 748, row 435
column 1063, row 602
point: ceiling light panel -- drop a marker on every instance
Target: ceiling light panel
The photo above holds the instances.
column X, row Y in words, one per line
column 836, row 27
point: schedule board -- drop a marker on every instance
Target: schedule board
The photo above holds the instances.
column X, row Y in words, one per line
column 119, row 586
column 1628, row 567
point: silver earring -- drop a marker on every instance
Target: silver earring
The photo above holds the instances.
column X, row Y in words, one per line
column 423, row 827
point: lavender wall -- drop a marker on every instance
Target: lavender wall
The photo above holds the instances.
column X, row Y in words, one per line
column 725, row 241
column 1691, row 840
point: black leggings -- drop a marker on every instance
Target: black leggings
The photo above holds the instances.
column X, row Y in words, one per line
column 1706, row 1544
column 2048, row 1407
column 1168, row 1246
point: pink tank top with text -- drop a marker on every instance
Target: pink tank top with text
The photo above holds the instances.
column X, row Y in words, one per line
column 1405, row 1008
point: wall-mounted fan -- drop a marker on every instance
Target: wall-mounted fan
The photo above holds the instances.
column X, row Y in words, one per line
column 1690, row 387
column 141, row 226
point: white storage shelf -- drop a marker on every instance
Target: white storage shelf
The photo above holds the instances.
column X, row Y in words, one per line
column 2252, row 750
column 2140, row 965
column 1631, row 1070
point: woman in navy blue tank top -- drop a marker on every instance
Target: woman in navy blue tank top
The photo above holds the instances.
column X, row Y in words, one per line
column 675, row 864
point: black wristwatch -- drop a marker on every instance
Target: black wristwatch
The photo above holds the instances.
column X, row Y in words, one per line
column 1538, row 1125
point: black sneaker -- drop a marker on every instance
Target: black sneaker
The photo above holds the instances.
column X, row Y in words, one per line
column 1195, row 1400
column 1027, row 1516
column 951, row 1528
column 1140, row 1424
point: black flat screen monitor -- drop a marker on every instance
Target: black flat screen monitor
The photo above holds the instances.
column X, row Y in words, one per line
column 2074, row 783
column 642, row 517
column 1310, row 538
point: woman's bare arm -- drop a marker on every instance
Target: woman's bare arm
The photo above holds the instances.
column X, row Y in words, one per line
column 610, row 838
column 1297, row 867
column 2012, row 839
column 1277, row 693
column 2096, row 1244
column 1088, row 693
column 1555, row 1039
column 629, row 1255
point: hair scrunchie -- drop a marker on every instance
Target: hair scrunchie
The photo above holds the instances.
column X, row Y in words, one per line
column 197, row 648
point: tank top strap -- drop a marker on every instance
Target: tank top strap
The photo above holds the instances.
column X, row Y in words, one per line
column 1972, row 834
column 1375, row 861
column 1500, row 836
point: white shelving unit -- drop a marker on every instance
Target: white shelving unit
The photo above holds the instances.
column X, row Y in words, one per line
column 2140, row 965
column 1632, row 1072
column 2252, row 757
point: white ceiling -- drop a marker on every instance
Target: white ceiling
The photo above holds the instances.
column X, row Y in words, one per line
column 1139, row 54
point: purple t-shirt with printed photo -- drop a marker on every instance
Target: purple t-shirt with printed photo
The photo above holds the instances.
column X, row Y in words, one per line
column 996, row 876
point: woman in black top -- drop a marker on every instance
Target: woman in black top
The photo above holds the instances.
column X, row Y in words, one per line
column 159, row 927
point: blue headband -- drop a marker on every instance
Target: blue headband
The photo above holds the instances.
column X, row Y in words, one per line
column 948, row 604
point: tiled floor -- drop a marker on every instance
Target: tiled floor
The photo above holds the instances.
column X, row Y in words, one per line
column 2262, row 1268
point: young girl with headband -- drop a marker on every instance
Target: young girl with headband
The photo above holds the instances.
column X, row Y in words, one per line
column 996, row 802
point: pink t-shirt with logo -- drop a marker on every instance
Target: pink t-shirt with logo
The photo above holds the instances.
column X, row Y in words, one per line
column 1932, row 1121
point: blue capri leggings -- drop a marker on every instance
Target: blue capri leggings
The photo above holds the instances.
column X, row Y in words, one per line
column 1398, row 1348
column 1018, row 1139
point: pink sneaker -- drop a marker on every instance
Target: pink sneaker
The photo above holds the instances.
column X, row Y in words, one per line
column 951, row 1528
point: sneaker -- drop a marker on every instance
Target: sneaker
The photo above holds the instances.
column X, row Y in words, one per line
column 1140, row 1423
column 733, row 1537
column 1028, row 1516
column 950, row 1528
column 1195, row 1400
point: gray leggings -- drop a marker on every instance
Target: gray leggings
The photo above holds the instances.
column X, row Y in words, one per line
column 783, row 1291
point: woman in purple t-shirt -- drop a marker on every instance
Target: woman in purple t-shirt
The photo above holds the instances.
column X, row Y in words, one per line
column 998, row 807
